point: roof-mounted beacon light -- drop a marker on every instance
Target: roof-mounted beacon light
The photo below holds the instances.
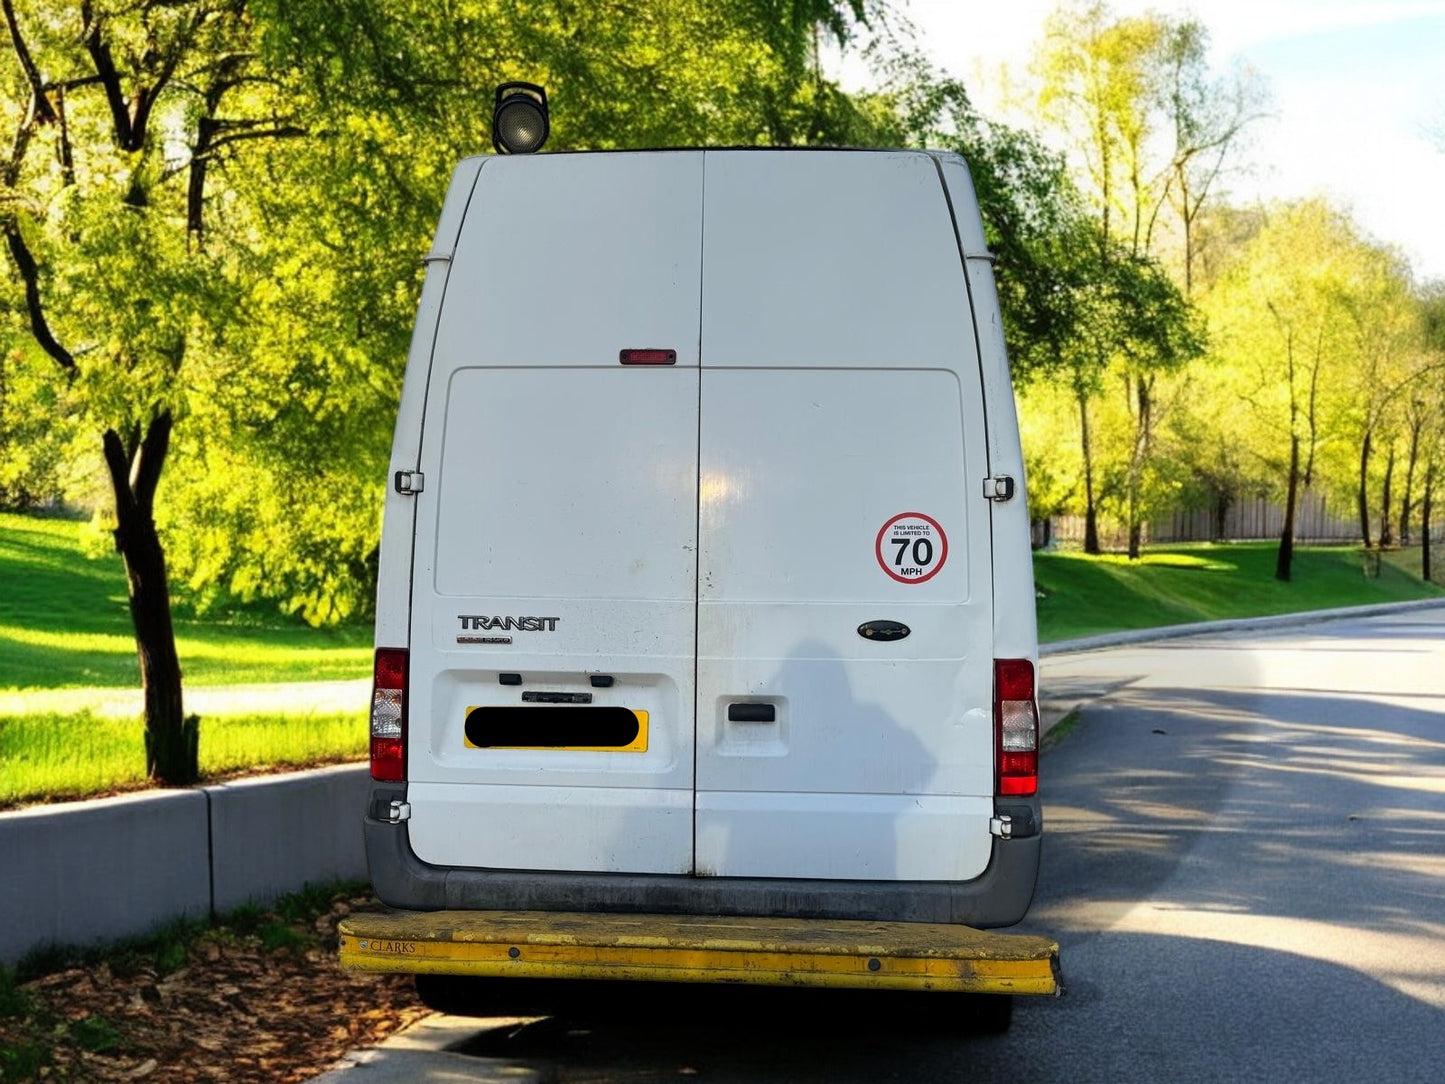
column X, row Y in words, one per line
column 519, row 119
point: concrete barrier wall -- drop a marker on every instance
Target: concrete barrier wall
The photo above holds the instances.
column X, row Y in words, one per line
column 272, row 834
column 87, row 872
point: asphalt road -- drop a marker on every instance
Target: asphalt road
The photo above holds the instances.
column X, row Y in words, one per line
column 1244, row 867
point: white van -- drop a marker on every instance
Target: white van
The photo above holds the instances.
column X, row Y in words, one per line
column 705, row 581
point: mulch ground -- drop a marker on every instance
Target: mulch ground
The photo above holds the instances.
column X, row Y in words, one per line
column 268, row 1005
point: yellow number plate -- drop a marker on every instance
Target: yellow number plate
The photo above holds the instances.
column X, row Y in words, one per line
column 546, row 726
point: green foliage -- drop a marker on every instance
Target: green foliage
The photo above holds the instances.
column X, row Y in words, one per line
column 24, row 1019
column 14, row 1001
column 240, row 251
column 23, row 1060
column 95, row 1034
column 36, row 434
column 1313, row 328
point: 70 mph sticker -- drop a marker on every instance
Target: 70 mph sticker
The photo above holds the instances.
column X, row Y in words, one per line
column 911, row 547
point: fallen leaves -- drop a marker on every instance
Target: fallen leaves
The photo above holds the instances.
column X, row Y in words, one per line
column 235, row 1010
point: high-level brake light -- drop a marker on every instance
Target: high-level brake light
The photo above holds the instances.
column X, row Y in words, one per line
column 1016, row 727
column 388, row 715
column 647, row 356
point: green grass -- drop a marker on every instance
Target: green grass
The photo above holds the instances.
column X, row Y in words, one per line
column 1080, row 595
column 64, row 623
column 45, row 757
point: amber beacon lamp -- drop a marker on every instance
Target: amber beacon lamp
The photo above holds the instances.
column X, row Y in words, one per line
column 519, row 119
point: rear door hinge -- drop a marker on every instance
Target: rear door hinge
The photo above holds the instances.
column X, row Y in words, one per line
column 1003, row 826
column 409, row 482
column 999, row 487
column 399, row 811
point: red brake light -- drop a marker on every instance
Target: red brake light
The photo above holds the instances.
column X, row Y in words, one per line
column 648, row 357
column 388, row 715
column 1016, row 727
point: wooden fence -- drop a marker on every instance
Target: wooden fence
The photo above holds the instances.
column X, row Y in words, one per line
column 1250, row 518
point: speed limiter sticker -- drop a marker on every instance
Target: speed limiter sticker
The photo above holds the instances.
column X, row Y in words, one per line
column 911, row 547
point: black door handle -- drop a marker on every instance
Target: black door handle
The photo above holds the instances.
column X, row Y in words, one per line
column 752, row 713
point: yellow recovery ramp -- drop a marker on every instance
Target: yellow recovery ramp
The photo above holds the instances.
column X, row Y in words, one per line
column 696, row 948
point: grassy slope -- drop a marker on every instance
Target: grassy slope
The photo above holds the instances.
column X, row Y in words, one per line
column 48, row 757
column 1079, row 595
column 64, row 623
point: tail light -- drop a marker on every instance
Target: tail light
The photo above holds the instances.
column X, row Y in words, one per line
column 1016, row 727
column 388, row 715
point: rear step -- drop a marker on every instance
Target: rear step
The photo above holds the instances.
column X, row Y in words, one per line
column 701, row 948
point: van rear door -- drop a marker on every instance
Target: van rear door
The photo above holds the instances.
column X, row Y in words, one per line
column 555, row 549
column 842, row 455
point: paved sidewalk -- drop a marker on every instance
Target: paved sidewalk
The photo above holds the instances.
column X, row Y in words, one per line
column 296, row 698
column 1058, row 697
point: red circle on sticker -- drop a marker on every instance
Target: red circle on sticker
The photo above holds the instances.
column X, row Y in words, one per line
column 911, row 547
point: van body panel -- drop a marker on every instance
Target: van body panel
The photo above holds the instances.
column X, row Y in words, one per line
column 556, row 537
column 393, row 580
column 705, row 544
column 888, row 837
column 791, row 565
column 964, row 201
column 565, row 260
column 556, row 826
column 847, row 398
column 1015, row 622
column 831, row 259
column 555, row 482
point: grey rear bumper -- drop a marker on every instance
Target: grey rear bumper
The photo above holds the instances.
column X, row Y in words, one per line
column 999, row 897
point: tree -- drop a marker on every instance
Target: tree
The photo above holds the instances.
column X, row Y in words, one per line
column 1159, row 333
column 1207, row 118
column 1422, row 407
column 1283, row 318
column 1100, row 78
column 123, row 111
column 1154, row 131
column 1382, row 318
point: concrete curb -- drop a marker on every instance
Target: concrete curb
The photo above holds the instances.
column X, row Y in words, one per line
column 1241, row 624
column 110, row 868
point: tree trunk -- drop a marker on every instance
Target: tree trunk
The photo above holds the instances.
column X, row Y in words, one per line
column 1140, row 453
column 1425, row 523
column 1407, row 501
column 1091, row 514
column 1387, row 534
column 171, row 739
column 1223, row 501
column 1363, row 496
column 1286, row 538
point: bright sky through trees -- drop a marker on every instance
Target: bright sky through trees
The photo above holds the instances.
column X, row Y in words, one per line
column 1357, row 86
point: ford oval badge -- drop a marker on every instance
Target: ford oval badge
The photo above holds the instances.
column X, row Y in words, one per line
column 883, row 630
